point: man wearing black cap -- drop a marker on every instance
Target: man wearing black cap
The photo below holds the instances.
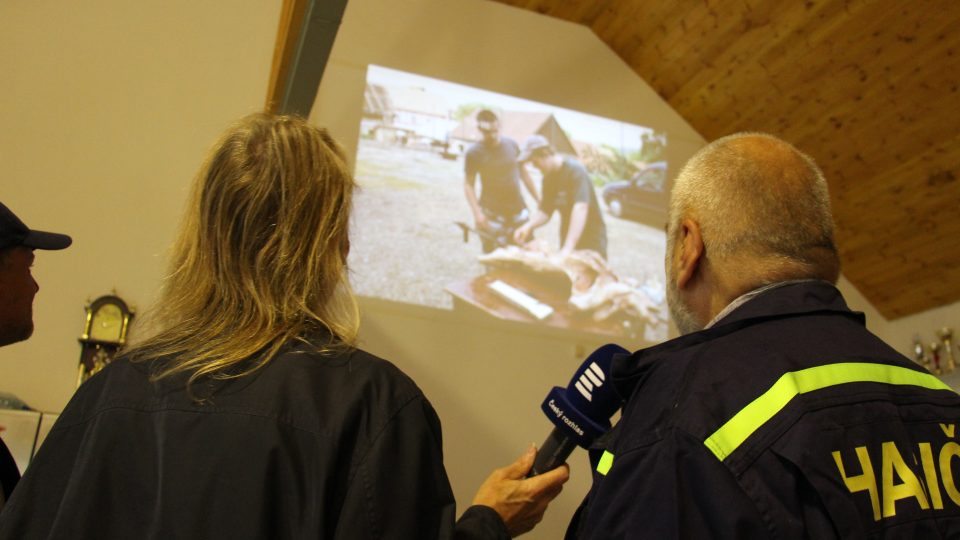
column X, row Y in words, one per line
column 566, row 189
column 17, row 289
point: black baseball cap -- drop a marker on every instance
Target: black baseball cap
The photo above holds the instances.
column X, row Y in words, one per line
column 13, row 232
column 531, row 145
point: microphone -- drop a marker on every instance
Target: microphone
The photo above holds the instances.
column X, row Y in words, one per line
column 581, row 412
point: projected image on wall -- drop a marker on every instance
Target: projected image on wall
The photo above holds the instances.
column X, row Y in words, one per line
column 518, row 210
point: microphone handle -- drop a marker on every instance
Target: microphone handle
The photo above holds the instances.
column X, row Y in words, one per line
column 553, row 453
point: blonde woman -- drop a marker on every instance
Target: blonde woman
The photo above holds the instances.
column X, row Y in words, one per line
column 248, row 412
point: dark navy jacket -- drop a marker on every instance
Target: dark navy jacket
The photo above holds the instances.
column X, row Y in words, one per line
column 786, row 420
column 310, row 446
column 9, row 472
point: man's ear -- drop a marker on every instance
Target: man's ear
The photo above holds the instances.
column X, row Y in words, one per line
column 690, row 251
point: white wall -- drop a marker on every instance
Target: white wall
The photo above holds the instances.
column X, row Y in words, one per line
column 487, row 382
column 876, row 323
column 485, row 379
column 108, row 107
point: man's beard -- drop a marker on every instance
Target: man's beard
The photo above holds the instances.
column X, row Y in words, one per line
column 681, row 314
column 14, row 332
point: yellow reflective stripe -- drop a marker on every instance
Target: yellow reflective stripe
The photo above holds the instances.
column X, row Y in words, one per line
column 732, row 434
column 606, row 461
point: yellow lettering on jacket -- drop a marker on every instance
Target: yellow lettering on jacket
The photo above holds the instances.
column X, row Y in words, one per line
column 930, row 473
column 947, row 453
column 893, row 492
column 867, row 481
column 948, row 429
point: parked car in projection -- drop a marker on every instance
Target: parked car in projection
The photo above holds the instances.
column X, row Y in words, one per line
column 641, row 198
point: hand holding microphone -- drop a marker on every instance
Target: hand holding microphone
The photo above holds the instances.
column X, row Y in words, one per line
column 521, row 501
column 580, row 412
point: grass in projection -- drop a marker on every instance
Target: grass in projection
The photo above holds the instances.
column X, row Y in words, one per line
column 415, row 238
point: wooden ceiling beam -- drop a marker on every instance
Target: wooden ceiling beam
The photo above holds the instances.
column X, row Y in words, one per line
column 305, row 38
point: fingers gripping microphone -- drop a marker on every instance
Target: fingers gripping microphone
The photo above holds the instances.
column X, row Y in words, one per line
column 581, row 412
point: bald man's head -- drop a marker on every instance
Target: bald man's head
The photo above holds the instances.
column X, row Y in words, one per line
column 759, row 200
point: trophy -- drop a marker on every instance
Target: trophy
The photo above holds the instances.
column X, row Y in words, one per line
column 935, row 357
column 946, row 336
column 920, row 353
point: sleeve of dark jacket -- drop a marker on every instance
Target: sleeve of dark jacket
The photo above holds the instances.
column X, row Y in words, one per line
column 401, row 490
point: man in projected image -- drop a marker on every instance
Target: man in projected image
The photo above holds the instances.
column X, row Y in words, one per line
column 568, row 190
column 776, row 414
column 500, row 209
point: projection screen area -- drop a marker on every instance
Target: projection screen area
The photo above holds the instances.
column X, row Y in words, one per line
column 427, row 147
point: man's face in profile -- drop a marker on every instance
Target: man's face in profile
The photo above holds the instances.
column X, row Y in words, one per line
column 17, row 289
column 541, row 162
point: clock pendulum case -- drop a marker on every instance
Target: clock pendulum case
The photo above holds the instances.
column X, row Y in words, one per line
column 104, row 332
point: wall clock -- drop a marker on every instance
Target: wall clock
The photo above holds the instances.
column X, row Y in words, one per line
column 104, row 332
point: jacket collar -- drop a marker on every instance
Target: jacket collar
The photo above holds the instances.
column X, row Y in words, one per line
column 789, row 300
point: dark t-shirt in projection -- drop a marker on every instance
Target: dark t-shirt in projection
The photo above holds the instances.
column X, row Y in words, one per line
column 499, row 176
column 566, row 186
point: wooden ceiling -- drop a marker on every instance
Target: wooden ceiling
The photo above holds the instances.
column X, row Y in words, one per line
column 868, row 88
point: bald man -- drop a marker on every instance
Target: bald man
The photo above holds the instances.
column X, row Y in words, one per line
column 776, row 414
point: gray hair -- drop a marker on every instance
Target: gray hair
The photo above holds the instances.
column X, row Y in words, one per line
column 757, row 196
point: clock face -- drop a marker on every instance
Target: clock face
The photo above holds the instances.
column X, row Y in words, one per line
column 107, row 323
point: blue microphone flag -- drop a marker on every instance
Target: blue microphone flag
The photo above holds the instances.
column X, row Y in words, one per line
column 583, row 409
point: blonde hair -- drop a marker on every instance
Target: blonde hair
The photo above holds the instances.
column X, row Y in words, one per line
column 757, row 196
column 261, row 255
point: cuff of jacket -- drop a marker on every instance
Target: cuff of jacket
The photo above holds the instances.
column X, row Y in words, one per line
column 481, row 523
